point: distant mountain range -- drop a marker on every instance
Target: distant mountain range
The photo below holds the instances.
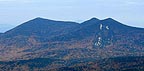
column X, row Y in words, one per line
column 5, row 27
column 91, row 40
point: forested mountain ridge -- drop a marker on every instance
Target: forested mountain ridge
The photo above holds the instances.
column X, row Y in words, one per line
column 71, row 42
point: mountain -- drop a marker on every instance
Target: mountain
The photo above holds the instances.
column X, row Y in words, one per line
column 38, row 29
column 88, row 41
column 34, row 32
column 42, row 28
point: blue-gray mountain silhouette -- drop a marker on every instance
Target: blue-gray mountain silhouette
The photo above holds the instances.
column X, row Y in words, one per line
column 94, row 38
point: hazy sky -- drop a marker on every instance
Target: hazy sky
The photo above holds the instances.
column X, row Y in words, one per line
column 15, row 12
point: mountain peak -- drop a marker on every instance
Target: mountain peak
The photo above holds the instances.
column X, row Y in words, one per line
column 39, row 18
column 90, row 21
column 94, row 19
column 112, row 21
column 109, row 19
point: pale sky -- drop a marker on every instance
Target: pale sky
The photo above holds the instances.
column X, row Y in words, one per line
column 15, row 12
